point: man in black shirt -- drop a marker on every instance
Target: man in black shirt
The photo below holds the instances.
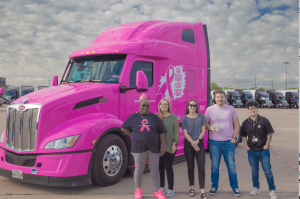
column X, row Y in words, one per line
column 259, row 132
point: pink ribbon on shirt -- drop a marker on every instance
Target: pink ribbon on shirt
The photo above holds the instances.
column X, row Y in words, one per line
column 167, row 85
column 144, row 122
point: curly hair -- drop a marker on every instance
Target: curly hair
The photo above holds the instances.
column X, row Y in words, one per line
column 252, row 103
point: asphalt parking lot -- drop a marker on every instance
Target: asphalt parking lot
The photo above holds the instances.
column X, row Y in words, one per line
column 284, row 159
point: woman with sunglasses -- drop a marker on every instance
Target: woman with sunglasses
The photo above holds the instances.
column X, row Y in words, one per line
column 172, row 137
column 193, row 126
column 148, row 140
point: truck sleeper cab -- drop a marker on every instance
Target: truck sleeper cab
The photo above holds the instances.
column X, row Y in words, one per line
column 233, row 99
column 263, row 99
column 278, row 99
column 12, row 93
column 292, row 99
column 70, row 133
column 246, row 96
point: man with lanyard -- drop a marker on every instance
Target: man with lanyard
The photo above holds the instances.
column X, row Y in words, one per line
column 259, row 132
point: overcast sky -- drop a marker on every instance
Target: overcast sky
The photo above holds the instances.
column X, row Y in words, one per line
column 246, row 37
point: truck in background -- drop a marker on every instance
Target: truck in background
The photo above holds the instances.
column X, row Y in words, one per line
column 233, row 99
column 245, row 95
column 41, row 87
column 71, row 135
column 262, row 98
column 26, row 89
column 12, row 93
column 292, row 99
column 277, row 99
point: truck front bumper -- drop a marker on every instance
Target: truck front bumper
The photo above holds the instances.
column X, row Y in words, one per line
column 60, row 169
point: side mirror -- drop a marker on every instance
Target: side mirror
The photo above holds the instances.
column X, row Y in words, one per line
column 141, row 81
column 1, row 91
column 55, row 81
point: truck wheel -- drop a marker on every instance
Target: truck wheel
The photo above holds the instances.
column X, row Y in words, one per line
column 110, row 161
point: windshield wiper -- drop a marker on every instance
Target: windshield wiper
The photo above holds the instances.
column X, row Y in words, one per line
column 65, row 82
column 90, row 80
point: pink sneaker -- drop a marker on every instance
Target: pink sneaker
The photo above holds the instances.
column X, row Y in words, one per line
column 159, row 195
column 138, row 193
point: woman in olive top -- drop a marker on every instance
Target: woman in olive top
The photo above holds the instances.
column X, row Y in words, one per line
column 193, row 126
column 172, row 137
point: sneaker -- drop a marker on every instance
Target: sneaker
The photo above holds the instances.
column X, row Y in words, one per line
column 273, row 194
column 159, row 195
column 213, row 191
column 163, row 190
column 255, row 192
column 170, row 193
column 237, row 193
column 138, row 193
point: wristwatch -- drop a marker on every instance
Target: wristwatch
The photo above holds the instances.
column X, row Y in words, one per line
column 199, row 139
column 175, row 144
column 163, row 146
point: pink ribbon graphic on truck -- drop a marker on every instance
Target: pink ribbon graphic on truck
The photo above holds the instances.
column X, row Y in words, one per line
column 144, row 122
column 172, row 84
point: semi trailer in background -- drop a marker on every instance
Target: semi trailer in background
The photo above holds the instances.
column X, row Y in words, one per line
column 70, row 133
column 262, row 98
column 233, row 99
column 292, row 99
column 277, row 99
column 245, row 95
column 26, row 89
column 12, row 93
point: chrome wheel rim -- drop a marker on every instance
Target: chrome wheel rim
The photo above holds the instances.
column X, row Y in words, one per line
column 112, row 160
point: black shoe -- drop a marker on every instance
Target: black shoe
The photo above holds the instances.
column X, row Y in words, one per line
column 213, row 191
column 237, row 193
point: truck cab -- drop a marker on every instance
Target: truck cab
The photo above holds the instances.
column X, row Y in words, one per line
column 12, row 93
column 246, row 96
column 233, row 99
column 70, row 134
column 26, row 90
column 278, row 99
column 292, row 99
column 263, row 99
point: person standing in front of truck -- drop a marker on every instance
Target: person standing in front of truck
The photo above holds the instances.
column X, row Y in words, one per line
column 147, row 131
column 172, row 138
column 259, row 132
column 193, row 126
column 220, row 119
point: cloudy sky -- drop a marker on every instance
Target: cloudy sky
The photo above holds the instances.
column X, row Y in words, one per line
column 247, row 37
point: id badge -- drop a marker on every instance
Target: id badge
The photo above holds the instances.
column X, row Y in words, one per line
column 254, row 139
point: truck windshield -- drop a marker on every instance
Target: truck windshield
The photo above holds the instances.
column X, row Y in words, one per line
column 249, row 98
column 10, row 93
column 296, row 99
column 281, row 98
column 235, row 97
column 295, row 94
column 25, row 92
column 265, row 98
column 102, row 68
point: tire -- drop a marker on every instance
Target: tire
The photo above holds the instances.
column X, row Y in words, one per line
column 111, row 147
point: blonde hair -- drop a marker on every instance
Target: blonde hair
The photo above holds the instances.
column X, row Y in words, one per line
column 143, row 97
column 159, row 114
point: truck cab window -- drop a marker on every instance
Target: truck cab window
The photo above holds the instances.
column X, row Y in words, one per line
column 188, row 36
column 146, row 67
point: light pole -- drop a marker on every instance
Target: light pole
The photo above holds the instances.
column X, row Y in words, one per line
column 286, row 63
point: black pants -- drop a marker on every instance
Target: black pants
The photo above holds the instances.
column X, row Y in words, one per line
column 166, row 162
column 190, row 153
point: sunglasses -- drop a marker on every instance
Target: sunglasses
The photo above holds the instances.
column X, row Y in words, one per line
column 191, row 105
column 145, row 105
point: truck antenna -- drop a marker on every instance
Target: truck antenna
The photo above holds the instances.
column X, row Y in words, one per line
column 58, row 29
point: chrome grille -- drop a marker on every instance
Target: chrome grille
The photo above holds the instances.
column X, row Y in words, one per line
column 22, row 126
column 269, row 103
column 238, row 102
column 284, row 103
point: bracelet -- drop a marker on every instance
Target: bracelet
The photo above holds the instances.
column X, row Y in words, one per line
column 234, row 137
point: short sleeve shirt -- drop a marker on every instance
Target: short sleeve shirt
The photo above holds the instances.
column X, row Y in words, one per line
column 259, row 129
column 145, row 132
column 223, row 116
column 193, row 125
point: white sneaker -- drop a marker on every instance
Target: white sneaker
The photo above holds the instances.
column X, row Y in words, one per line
column 170, row 193
column 273, row 194
column 255, row 192
column 163, row 190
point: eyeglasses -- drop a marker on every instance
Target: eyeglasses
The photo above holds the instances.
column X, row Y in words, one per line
column 252, row 109
column 164, row 104
column 192, row 105
column 145, row 105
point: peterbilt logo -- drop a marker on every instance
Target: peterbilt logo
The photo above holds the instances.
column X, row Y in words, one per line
column 21, row 108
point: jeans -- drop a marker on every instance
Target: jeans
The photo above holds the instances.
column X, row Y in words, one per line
column 190, row 155
column 216, row 149
column 264, row 158
column 166, row 162
column 140, row 163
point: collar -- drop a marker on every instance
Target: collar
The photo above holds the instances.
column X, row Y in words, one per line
column 257, row 118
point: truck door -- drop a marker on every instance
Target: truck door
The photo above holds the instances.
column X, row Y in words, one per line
column 132, row 96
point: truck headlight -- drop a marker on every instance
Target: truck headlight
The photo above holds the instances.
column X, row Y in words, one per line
column 1, row 137
column 66, row 142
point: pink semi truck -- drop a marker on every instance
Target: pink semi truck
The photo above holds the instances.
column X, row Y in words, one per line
column 69, row 134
